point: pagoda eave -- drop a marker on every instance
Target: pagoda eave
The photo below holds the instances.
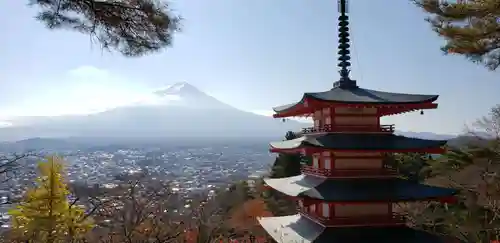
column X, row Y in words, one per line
column 442, row 199
column 308, row 144
column 304, row 107
column 387, row 111
column 299, row 110
column 451, row 199
column 298, row 228
column 311, row 150
column 309, row 103
column 359, row 190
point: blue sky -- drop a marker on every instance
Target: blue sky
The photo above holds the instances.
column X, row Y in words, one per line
column 251, row 54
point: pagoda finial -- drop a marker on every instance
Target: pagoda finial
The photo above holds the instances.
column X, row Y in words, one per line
column 344, row 53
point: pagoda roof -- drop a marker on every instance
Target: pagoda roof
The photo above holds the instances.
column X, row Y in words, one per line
column 357, row 141
column 357, row 95
column 357, row 189
column 298, row 228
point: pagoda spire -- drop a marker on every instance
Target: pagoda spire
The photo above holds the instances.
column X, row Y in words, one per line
column 344, row 52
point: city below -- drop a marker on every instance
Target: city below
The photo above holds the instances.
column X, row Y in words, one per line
column 187, row 169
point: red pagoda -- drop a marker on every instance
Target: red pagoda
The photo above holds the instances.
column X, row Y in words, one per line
column 346, row 194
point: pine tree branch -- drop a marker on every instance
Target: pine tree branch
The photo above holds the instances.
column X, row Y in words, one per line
column 131, row 27
column 470, row 29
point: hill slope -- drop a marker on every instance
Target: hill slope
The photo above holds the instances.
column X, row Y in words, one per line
column 180, row 110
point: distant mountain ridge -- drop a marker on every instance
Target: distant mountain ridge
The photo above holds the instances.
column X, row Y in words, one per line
column 426, row 135
column 79, row 143
column 177, row 111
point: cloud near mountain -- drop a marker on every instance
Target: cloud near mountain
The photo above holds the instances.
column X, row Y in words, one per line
column 179, row 110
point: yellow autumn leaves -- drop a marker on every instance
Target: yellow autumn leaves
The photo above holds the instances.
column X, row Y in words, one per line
column 46, row 214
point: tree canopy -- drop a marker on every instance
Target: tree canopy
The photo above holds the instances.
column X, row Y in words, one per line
column 473, row 170
column 131, row 27
column 46, row 214
column 470, row 28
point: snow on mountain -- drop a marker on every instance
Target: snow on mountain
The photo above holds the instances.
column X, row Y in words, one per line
column 181, row 94
column 180, row 110
column 179, row 89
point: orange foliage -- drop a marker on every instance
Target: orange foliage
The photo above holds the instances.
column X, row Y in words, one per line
column 191, row 236
column 242, row 218
column 245, row 216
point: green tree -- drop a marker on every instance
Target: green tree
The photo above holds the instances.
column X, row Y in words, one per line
column 411, row 166
column 470, row 28
column 131, row 27
column 46, row 214
column 285, row 165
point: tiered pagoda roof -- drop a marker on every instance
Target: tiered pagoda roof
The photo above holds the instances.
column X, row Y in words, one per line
column 347, row 193
column 354, row 95
column 357, row 189
column 357, row 142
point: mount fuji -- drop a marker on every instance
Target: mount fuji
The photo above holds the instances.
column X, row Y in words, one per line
column 177, row 111
column 182, row 95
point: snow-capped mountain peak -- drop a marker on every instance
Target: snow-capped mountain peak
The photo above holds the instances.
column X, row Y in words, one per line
column 180, row 89
column 181, row 94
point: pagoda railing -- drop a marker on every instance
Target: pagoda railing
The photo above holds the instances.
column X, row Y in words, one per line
column 351, row 128
column 366, row 220
column 350, row 173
